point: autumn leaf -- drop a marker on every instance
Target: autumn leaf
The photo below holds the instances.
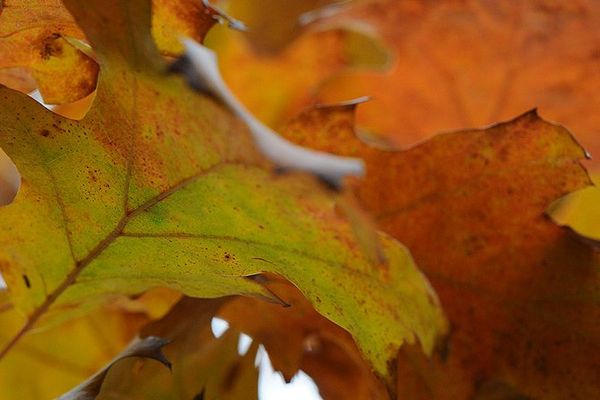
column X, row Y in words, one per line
column 62, row 72
column 460, row 65
column 160, row 186
column 314, row 57
column 294, row 337
column 521, row 293
column 453, row 65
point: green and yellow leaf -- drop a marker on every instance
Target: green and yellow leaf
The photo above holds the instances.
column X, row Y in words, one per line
column 161, row 187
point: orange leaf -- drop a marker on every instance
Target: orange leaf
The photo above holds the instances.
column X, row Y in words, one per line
column 460, row 65
column 521, row 293
column 62, row 72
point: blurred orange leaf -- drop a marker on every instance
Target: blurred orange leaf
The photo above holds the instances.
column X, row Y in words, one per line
column 468, row 64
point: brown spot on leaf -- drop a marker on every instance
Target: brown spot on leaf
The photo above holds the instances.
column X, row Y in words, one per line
column 26, row 280
column 51, row 47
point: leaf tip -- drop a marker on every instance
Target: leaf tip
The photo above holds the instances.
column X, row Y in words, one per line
column 269, row 296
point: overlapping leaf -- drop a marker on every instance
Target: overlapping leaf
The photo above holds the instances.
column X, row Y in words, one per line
column 460, row 65
column 35, row 34
column 521, row 293
column 314, row 57
column 204, row 367
column 158, row 186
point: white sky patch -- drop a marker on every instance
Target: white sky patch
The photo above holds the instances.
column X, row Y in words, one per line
column 218, row 326
column 37, row 96
column 244, row 343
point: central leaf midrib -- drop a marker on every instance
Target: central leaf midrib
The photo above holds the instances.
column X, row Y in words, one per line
column 130, row 215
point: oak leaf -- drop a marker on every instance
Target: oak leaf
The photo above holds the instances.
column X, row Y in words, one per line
column 160, row 186
column 62, row 71
column 521, row 293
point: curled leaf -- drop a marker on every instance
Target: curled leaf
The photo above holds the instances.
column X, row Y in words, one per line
column 148, row 347
column 203, row 366
column 63, row 73
column 55, row 51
